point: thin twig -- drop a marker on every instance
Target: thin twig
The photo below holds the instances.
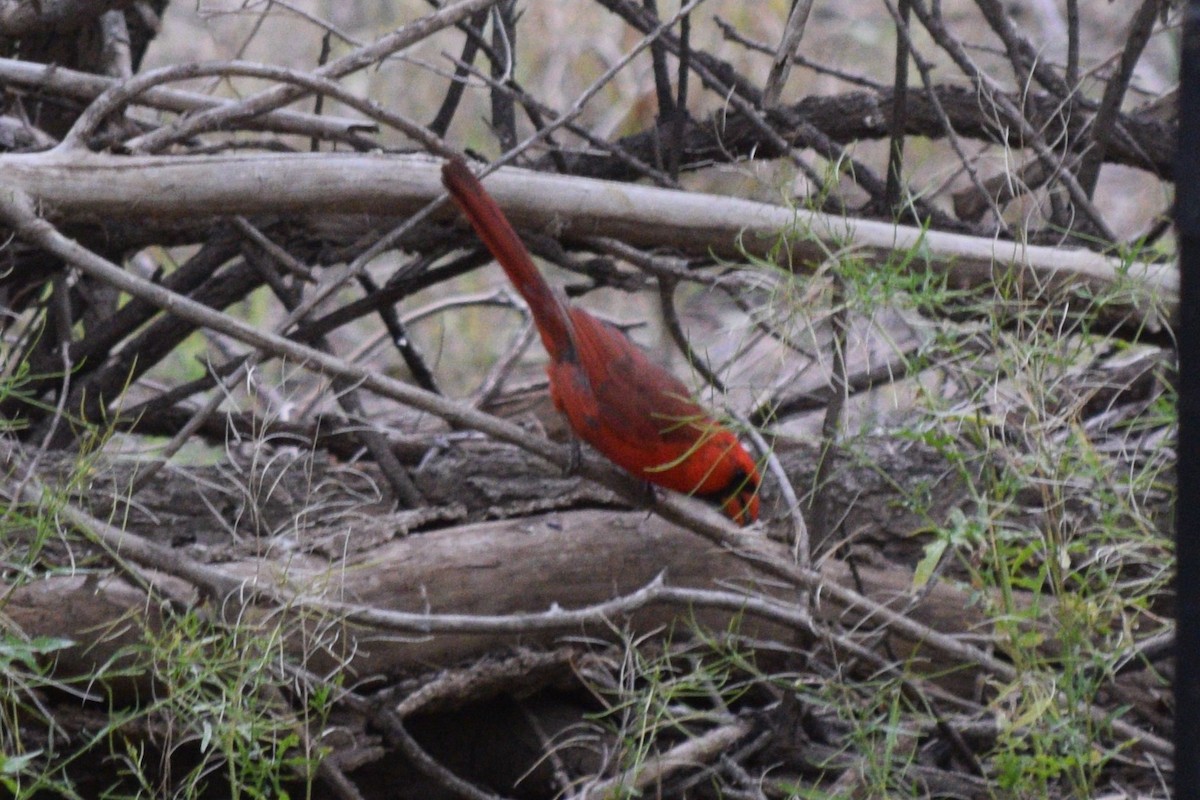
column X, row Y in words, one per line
column 491, row 384
column 691, row 753
column 123, row 93
column 734, row 35
column 679, row 115
column 398, row 332
column 278, row 96
column 666, row 297
column 899, row 113
column 85, row 86
column 1101, row 127
column 504, row 65
column 458, row 84
column 1072, row 70
column 404, row 491
column 662, row 80
column 1010, row 114
column 822, row 503
column 194, row 423
column 793, row 32
column 399, row 736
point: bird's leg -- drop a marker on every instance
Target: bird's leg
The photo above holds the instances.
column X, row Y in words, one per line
column 576, row 458
column 650, row 497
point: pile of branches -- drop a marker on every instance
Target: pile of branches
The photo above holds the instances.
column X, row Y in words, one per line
column 505, row 622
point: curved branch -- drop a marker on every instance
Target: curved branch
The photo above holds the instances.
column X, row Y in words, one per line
column 86, row 87
column 277, row 96
column 125, row 92
column 854, row 116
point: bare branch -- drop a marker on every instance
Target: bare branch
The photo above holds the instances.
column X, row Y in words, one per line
column 639, row 215
column 86, row 87
column 276, row 96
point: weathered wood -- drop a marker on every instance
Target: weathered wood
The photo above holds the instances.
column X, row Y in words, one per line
column 76, row 187
column 568, row 560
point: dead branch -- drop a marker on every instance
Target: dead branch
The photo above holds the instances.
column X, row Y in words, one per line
column 86, row 87
column 76, row 188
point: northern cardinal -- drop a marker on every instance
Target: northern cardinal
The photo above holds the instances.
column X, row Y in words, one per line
column 615, row 398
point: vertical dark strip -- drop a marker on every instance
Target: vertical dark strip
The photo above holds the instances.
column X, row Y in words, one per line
column 462, row 72
column 1072, row 72
column 1187, row 512
column 679, row 115
column 662, row 77
column 899, row 114
column 314, row 144
column 504, row 69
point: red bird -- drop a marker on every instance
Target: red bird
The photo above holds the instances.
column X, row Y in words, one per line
column 616, row 399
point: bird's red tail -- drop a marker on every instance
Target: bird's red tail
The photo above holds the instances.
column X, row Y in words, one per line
column 494, row 229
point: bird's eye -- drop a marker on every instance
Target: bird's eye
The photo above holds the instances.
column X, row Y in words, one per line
column 737, row 496
column 743, row 482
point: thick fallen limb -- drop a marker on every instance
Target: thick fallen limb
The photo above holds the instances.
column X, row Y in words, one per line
column 76, row 188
